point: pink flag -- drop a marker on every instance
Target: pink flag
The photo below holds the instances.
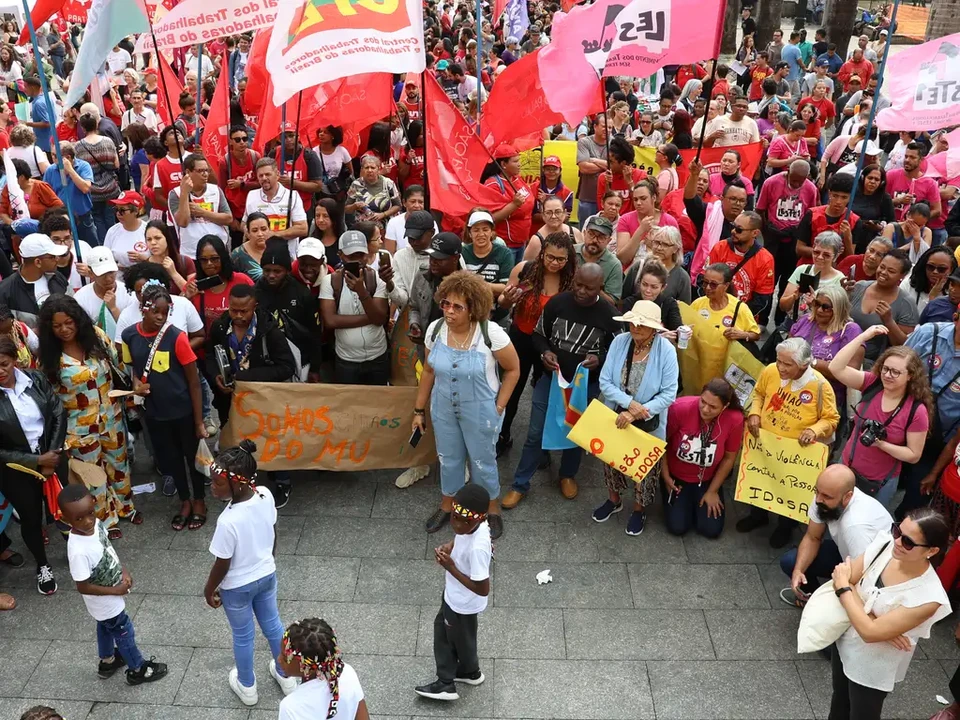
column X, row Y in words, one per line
column 617, row 37
column 946, row 165
column 923, row 83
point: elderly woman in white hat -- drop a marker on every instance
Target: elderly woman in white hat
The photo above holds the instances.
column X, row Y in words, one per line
column 639, row 382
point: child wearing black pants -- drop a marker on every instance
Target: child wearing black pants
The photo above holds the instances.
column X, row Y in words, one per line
column 467, row 562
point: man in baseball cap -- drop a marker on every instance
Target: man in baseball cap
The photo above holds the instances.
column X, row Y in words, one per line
column 311, row 258
column 551, row 184
column 103, row 299
column 596, row 237
column 36, row 280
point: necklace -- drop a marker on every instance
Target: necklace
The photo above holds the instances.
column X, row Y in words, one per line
column 461, row 344
column 640, row 348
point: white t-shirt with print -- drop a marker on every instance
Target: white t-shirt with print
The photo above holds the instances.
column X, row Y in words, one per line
column 356, row 344
column 118, row 60
column 311, row 700
column 93, row 305
column 276, row 211
column 85, row 554
column 498, row 339
column 471, row 554
column 183, row 316
column 335, row 161
column 121, row 241
column 245, row 537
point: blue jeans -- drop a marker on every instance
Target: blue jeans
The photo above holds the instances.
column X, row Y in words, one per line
column 206, row 397
column 117, row 632
column 86, row 229
column 585, row 209
column 683, row 512
column 828, row 557
column 939, row 236
column 104, row 218
column 241, row 604
column 533, row 447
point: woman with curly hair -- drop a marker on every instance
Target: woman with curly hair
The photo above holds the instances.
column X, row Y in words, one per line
column 532, row 283
column 891, row 420
column 78, row 358
column 928, row 279
column 330, row 687
column 463, row 351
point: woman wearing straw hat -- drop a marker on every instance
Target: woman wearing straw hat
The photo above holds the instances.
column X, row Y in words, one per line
column 639, row 382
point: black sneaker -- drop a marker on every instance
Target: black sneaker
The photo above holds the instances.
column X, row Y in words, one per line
column 751, row 522
column 638, row 519
column 503, row 445
column 46, row 583
column 438, row 690
column 476, row 678
column 496, row 526
column 107, row 669
column 281, row 495
column 436, row 521
column 150, row 671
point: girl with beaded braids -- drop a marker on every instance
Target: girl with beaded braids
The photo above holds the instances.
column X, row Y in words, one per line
column 330, row 687
column 243, row 579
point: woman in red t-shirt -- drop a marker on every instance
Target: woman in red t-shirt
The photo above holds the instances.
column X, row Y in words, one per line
column 808, row 112
column 704, row 434
column 624, row 175
column 213, row 260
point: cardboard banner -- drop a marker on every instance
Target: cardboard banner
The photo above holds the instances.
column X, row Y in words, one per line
column 405, row 365
column 197, row 21
column 344, row 428
column 779, row 475
column 742, row 370
column 631, row 451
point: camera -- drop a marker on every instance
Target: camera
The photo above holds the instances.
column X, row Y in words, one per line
column 871, row 431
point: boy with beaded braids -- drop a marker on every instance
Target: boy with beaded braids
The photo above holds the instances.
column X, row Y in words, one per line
column 466, row 559
column 330, row 687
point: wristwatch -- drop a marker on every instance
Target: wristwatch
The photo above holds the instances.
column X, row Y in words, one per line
column 840, row 591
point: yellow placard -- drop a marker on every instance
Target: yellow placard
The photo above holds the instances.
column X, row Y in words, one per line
column 689, row 358
column 742, row 370
column 778, row 474
column 631, row 451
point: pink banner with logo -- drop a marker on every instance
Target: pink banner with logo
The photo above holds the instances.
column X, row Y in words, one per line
column 923, row 82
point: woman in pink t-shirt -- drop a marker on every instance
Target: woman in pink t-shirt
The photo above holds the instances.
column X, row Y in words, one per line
column 634, row 227
column 704, row 434
column 786, row 148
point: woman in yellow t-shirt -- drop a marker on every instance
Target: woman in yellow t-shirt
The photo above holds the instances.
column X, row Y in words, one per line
column 720, row 319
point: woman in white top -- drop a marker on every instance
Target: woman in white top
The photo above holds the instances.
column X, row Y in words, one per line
column 23, row 147
column 330, row 687
column 928, row 278
column 893, row 597
column 10, row 72
column 334, row 157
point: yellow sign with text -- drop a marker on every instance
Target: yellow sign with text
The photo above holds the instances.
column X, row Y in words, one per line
column 778, row 474
column 742, row 372
column 631, row 451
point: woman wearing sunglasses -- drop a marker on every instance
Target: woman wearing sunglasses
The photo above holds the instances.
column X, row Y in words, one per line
column 890, row 423
column 893, row 597
column 928, row 279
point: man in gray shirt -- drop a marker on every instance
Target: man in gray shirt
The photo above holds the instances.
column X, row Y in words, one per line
column 591, row 161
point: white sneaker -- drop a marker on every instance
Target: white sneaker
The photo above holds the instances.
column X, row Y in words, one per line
column 247, row 695
column 409, row 476
column 287, row 684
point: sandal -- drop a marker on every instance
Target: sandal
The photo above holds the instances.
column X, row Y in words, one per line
column 179, row 522
column 114, row 533
column 135, row 518
column 196, row 521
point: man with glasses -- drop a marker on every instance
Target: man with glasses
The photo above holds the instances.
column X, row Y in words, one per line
column 596, row 237
column 751, row 264
column 854, row 520
column 198, row 207
column 238, row 176
column 733, row 129
column 712, row 221
column 139, row 113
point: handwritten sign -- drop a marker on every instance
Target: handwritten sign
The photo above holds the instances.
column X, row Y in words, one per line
column 327, row 427
column 630, row 450
column 742, row 372
column 779, row 475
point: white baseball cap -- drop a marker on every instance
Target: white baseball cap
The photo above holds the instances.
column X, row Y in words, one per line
column 480, row 216
column 311, row 247
column 101, row 260
column 37, row 245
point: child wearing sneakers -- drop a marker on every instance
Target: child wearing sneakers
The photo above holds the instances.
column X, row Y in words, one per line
column 330, row 686
column 243, row 578
column 103, row 583
column 467, row 561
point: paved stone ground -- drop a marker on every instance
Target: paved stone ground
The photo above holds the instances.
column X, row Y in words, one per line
column 648, row 627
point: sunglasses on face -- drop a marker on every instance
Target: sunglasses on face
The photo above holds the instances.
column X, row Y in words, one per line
column 242, row 138
column 209, row 260
column 711, row 284
column 906, row 541
column 938, row 268
column 827, row 307
column 736, row 229
column 456, row 307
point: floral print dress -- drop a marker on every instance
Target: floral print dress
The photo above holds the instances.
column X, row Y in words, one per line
column 96, row 432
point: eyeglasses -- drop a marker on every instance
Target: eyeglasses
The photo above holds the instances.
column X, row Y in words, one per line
column 646, row 122
column 827, row 307
column 938, row 268
column 736, row 229
column 907, row 542
column 201, row 171
column 823, row 253
column 239, row 139
column 662, row 244
column 209, row 260
column 552, row 213
column 891, row 372
column 456, row 307
column 557, row 259
column 711, row 284
column 736, row 201
column 125, row 210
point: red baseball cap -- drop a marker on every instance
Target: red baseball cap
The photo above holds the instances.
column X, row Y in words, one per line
column 289, row 127
column 505, row 150
column 128, row 197
column 150, row 71
column 551, row 161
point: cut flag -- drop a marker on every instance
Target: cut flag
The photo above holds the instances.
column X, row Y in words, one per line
column 256, row 70
column 217, row 126
column 750, row 156
column 923, row 84
column 635, row 38
column 455, row 157
column 516, row 21
column 946, row 165
column 109, row 22
column 40, row 13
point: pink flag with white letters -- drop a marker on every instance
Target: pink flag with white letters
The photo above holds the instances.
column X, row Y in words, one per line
column 632, row 37
column 923, row 83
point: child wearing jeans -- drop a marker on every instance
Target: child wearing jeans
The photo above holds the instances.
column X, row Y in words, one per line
column 243, row 578
column 467, row 562
column 102, row 583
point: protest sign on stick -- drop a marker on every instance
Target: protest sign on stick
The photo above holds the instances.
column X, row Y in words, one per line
column 630, row 450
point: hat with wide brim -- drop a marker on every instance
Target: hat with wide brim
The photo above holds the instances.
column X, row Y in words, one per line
column 643, row 313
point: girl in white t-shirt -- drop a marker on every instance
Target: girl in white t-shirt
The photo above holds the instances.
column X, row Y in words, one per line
column 243, row 579
column 330, row 687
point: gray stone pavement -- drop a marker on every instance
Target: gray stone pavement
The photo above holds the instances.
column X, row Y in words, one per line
column 648, row 627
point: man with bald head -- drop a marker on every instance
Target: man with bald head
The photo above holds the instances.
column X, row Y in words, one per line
column 854, row 520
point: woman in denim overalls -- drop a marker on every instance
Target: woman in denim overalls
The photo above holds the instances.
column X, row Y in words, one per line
column 463, row 350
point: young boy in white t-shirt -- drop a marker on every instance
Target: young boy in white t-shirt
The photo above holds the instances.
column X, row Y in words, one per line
column 467, row 562
column 102, row 583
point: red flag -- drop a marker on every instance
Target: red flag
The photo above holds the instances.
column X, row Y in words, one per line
column 710, row 157
column 75, row 11
column 498, row 7
column 41, row 12
column 271, row 116
column 256, row 70
column 217, row 127
column 167, row 83
column 455, row 157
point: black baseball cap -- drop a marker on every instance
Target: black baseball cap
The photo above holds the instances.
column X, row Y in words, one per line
column 445, row 245
column 417, row 223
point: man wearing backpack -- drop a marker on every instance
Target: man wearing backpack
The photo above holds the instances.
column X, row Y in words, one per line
column 353, row 302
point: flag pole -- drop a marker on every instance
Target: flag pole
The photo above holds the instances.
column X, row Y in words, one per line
column 606, row 135
column 227, row 96
column 52, row 120
column 196, row 133
column 423, row 116
column 293, row 160
column 873, row 107
column 479, row 23
column 706, row 113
